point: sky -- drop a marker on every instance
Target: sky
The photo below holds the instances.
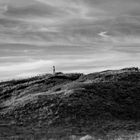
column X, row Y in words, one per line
column 73, row 35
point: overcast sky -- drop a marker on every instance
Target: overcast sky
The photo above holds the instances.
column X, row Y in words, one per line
column 74, row 35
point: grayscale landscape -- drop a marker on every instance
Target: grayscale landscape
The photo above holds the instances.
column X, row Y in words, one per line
column 103, row 105
column 69, row 69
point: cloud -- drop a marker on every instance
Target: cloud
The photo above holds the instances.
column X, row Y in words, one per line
column 17, row 2
column 47, row 30
column 27, row 66
column 34, row 10
column 103, row 34
column 3, row 9
column 8, row 22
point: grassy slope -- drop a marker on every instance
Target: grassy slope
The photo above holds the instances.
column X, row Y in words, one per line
column 101, row 101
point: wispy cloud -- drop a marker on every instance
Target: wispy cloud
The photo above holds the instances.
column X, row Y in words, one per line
column 103, row 34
